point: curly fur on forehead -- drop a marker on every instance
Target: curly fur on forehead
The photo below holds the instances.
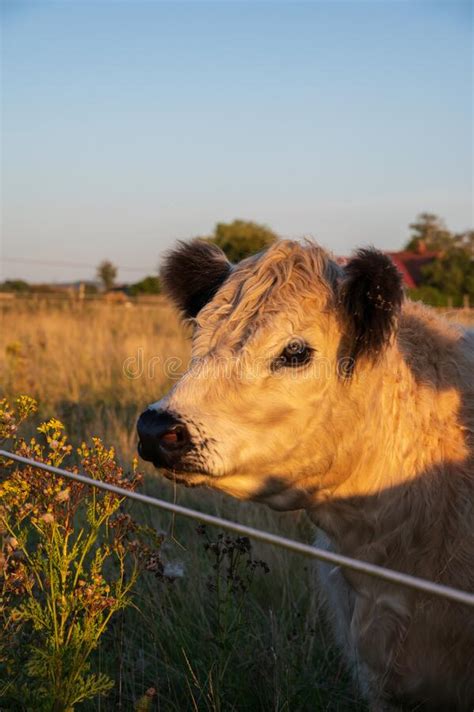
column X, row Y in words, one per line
column 284, row 275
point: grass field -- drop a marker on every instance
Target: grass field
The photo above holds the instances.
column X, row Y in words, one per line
column 198, row 642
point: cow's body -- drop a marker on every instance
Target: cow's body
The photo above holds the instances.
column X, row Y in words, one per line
column 400, row 645
column 368, row 425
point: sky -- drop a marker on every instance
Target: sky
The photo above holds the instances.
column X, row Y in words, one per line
column 128, row 125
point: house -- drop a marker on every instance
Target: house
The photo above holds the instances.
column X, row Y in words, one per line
column 411, row 264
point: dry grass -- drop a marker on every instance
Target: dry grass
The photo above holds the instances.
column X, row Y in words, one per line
column 76, row 352
column 79, row 361
column 71, row 358
column 461, row 316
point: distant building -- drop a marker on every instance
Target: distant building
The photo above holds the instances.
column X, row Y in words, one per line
column 411, row 264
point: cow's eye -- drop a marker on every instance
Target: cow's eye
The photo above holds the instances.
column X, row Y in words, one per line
column 296, row 353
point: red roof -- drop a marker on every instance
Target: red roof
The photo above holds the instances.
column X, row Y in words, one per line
column 411, row 264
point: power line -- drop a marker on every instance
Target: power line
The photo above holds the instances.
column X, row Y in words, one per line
column 55, row 263
column 362, row 567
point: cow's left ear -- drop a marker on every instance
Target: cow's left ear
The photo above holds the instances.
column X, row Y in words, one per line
column 192, row 273
column 370, row 296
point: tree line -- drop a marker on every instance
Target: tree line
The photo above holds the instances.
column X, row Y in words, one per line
column 449, row 277
column 446, row 277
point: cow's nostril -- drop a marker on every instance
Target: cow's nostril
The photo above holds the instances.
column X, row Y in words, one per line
column 177, row 435
column 169, row 437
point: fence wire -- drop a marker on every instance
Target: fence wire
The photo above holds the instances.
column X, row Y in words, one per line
column 363, row 567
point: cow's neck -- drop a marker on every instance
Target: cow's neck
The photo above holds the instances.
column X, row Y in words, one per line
column 404, row 437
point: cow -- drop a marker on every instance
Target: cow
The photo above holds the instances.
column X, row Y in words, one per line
column 319, row 386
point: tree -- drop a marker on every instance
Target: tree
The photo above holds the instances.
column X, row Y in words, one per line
column 429, row 233
column 465, row 240
column 15, row 285
column 241, row 238
column 106, row 274
column 452, row 274
column 148, row 285
column 429, row 295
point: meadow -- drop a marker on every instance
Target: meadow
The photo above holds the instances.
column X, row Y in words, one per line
column 235, row 629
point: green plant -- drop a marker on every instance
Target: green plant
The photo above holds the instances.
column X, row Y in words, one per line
column 69, row 560
column 14, row 285
column 147, row 285
column 452, row 274
column 429, row 295
column 242, row 238
column 229, row 584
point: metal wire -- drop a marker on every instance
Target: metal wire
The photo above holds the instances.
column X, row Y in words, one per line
column 362, row 567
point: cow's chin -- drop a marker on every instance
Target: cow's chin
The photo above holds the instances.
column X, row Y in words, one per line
column 273, row 491
column 188, row 479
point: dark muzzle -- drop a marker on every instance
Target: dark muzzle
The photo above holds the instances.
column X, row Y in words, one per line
column 163, row 439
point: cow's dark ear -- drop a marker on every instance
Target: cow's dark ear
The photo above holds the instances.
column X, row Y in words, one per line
column 370, row 296
column 192, row 273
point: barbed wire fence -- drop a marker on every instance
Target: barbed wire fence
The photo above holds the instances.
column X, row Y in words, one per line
column 362, row 567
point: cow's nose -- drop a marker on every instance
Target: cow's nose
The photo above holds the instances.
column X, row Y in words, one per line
column 162, row 437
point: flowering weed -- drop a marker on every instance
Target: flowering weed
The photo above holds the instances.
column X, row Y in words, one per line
column 69, row 559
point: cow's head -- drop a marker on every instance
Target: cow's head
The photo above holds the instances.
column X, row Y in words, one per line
column 281, row 344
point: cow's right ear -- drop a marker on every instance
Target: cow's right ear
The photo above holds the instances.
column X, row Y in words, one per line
column 192, row 273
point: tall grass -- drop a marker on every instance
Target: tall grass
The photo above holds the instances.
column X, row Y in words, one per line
column 72, row 357
column 224, row 636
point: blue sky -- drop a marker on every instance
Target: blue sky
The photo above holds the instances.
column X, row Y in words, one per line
column 128, row 125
